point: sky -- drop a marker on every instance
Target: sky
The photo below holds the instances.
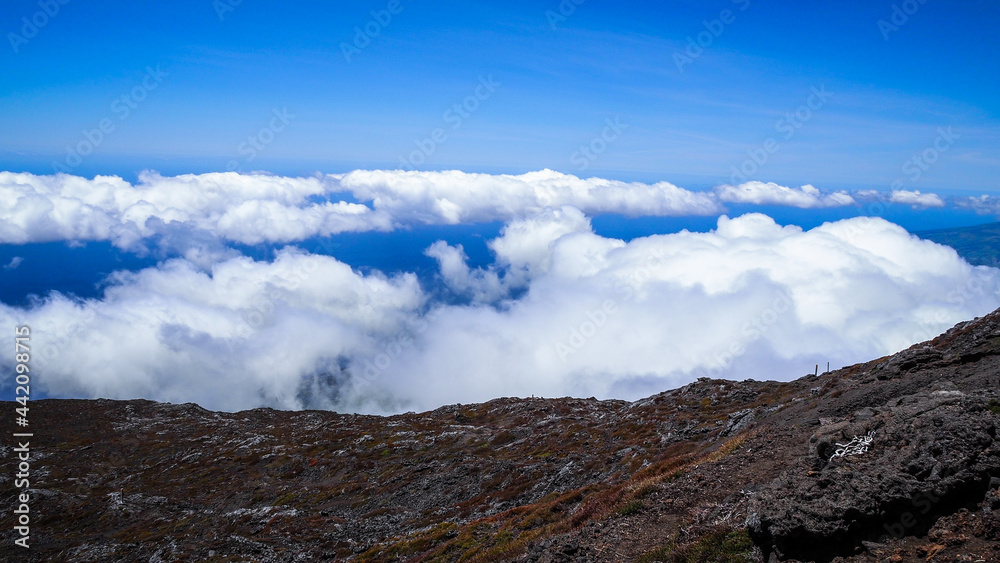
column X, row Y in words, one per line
column 389, row 206
column 692, row 112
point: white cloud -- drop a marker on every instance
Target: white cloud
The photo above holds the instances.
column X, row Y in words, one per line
column 595, row 316
column 983, row 204
column 750, row 299
column 247, row 208
column 14, row 263
column 523, row 251
column 769, row 193
column 479, row 284
column 916, row 199
column 244, row 334
column 195, row 209
column 254, row 208
column 452, row 197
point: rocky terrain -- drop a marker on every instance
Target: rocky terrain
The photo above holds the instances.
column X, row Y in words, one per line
column 896, row 459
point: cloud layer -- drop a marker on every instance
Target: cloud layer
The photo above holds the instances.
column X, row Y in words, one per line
column 254, row 208
column 561, row 311
column 453, row 197
column 769, row 193
column 247, row 208
column 750, row 299
column 245, row 333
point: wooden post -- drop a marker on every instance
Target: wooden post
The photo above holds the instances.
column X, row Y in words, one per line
column 817, row 370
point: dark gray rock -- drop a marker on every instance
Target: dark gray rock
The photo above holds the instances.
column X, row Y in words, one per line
column 931, row 454
column 739, row 421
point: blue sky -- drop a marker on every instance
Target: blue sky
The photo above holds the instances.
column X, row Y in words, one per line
column 391, row 205
column 891, row 89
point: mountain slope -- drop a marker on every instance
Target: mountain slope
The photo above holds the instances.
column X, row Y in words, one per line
column 713, row 471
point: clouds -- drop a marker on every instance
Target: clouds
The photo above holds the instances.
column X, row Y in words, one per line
column 480, row 285
column 254, row 208
column 750, row 299
column 523, row 252
column 913, row 198
column 590, row 316
column 195, row 209
column 560, row 310
column 261, row 208
column 244, row 334
column 983, row 205
column 453, row 196
column 246, row 208
column 916, row 199
column 769, row 193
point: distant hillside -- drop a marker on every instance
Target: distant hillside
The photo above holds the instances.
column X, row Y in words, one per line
column 979, row 244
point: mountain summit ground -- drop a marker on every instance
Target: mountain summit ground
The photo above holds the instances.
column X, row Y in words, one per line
column 896, row 459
